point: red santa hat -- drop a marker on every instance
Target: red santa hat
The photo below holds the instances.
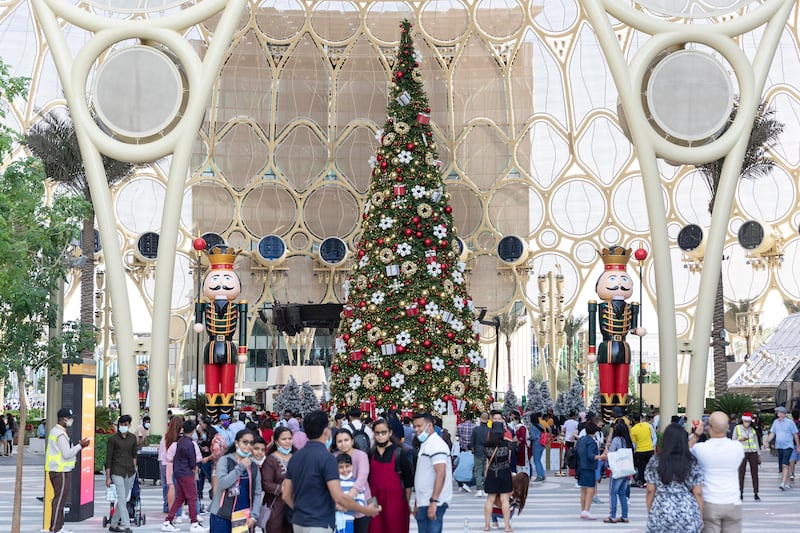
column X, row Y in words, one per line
column 747, row 416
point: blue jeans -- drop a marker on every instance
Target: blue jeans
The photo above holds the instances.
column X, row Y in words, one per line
column 204, row 471
column 424, row 525
column 619, row 488
column 163, row 472
column 538, row 450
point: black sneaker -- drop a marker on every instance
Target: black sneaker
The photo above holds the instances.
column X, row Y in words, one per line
column 116, row 529
column 756, row 498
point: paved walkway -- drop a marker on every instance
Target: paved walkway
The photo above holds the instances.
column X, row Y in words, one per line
column 552, row 505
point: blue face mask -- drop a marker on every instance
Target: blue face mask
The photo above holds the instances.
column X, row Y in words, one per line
column 241, row 453
column 287, row 451
column 423, row 436
column 328, row 442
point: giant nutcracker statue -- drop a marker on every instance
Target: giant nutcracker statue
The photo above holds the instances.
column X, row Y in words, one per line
column 617, row 318
column 221, row 314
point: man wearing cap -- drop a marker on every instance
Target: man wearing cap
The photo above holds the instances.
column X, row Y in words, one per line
column 224, row 424
column 719, row 457
column 747, row 435
column 59, row 463
column 784, row 431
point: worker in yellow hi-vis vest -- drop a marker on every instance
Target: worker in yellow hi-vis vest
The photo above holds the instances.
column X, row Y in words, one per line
column 59, row 462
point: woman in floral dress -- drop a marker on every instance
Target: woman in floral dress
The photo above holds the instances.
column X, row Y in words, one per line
column 674, row 487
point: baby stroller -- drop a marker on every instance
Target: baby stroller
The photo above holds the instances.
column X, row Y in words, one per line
column 134, row 504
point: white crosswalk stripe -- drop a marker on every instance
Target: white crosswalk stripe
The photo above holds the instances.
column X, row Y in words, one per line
column 552, row 506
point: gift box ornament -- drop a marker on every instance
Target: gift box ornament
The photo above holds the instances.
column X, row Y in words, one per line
column 392, row 270
column 356, row 355
column 436, row 194
column 404, row 98
column 388, row 349
column 406, row 413
column 348, row 311
column 423, row 118
column 430, row 256
column 447, row 316
column 399, row 190
column 463, row 370
column 412, row 310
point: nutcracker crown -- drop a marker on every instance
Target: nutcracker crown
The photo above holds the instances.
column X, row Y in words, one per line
column 615, row 257
column 222, row 256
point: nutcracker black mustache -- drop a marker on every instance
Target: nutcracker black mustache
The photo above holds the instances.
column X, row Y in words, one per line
column 218, row 287
column 618, row 287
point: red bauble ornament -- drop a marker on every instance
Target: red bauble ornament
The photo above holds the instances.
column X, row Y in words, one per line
column 427, row 241
column 422, row 301
column 418, row 234
column 386, row 388
column 361, row 253
column 450, row 335
column 427, row 367
column 399, row 179
column 386, row 374
column 362, row 304
column 443, row 243
column 415, row 220
column 448, row 209
column 410, row 146
column 379, row 342
column 407, row 232
column 368, row 326
column 426, row 343
column 346, row 337
column 335, row 368
column 380, row 240
column 421, row 320
column 364, row 366
column 640, row 254
column 399, row 73
column 384, row 164
column 401, row 349
column 199, row 244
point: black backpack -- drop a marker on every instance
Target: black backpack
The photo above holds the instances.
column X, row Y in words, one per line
column 571, row 459
column 360, row 438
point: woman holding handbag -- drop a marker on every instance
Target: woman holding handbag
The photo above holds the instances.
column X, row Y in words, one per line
column 620, row 484
column 235, row 507
column 498, row 472
column 273, row 472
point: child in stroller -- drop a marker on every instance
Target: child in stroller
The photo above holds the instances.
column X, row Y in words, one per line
column 134, row 504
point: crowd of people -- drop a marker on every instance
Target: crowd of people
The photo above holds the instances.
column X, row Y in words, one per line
column 352, row 474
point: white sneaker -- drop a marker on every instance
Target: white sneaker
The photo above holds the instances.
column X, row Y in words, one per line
column 197, row 527
column 168, row 526
column 480, row 494
column 466, row 488
column 177, row 520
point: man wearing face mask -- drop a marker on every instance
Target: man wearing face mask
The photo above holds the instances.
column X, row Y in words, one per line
column 312, row 488
column 59, row 463
column 120, row 470
column 143, row 431
column 433, row 479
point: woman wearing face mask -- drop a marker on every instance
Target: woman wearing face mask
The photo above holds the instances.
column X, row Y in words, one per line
column 273, row 472
column 238, row 489
column 344, row 444
column 391, row 480
column 171, row 436
column 184, row 467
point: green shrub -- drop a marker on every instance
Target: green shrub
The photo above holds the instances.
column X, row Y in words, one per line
column 153, row 440
column 732, row 404
column 100, row 448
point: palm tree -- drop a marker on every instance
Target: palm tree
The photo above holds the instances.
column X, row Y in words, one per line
column 756, row 164
column 53, row 140
column 792, row 306
column 509, row 322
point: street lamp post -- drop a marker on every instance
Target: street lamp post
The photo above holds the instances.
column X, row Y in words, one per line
column 749, row 325
column 102, row 318
column 551, row 322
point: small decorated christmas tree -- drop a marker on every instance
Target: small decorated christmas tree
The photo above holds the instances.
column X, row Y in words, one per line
column 408, row 338
column 288, row 398
column 547, row 400
column 534, row 399
column 571, row 400
column 308, row 399
column 594, row 406
column 510, row 402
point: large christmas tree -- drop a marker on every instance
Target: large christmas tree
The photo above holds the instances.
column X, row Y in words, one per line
column 408, row 338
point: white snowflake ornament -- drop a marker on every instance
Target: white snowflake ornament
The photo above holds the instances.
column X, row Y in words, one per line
column 398, row 380
column 434, row 269
column 355, row 381
column 437, row 363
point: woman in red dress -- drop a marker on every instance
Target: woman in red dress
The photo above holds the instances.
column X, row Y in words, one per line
column 390, row 480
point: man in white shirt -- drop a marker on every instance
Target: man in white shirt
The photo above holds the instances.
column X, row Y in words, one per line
column 719, row 457
column 433, row 478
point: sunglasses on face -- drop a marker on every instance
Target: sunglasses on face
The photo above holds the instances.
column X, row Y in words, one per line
column 381, row 432
column 248, row 442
